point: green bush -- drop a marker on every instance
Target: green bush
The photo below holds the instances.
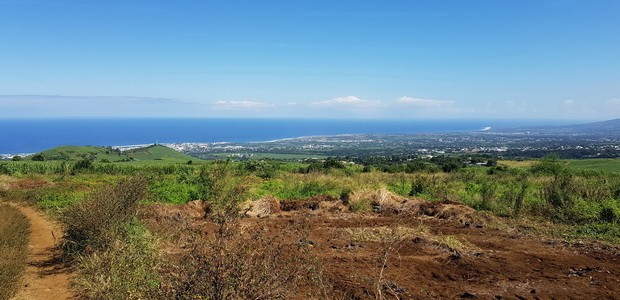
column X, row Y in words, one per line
column 610, row 212
column 418, row 185
column 262, row 169
column 558, row 193
column 549, row 165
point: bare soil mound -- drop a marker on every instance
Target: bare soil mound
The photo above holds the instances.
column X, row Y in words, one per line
column 428, row 253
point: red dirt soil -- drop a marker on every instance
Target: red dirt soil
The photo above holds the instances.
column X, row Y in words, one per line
column 485, row 263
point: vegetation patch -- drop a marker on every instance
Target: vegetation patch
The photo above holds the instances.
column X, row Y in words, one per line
column 14, row 232
column 384, row 233
column 124, row 270
column 115, row 256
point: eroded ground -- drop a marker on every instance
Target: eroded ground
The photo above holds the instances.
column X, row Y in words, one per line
column 422, row 250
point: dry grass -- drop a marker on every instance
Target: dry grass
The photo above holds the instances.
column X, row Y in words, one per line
column 95, row 223
column 5, row 182
column 126, row 270
column 516, row 164
column 14, row 231
column 262, row 207
column 114, row 255
column 235, row 262
column 379, row 234
column 397, row 234
column 380, row 200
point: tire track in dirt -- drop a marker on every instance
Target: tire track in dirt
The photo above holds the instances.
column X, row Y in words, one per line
column 45, row 277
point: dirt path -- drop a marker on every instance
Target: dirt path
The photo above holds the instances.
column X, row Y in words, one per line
column 44, row 277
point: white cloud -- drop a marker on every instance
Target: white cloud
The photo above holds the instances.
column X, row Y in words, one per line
column 241, row 105
column 613, row 103
column 568, row 103
column 348, row 102
column 425, row 103
column 573, row 107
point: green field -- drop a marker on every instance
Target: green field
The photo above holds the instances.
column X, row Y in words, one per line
column 598, row 164
column 275, row 156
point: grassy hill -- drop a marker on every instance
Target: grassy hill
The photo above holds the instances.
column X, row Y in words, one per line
column 74, row 153
column 102, row 154
column 158, row 152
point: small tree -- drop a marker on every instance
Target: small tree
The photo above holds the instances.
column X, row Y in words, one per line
column 38, row 157
column 222, row 192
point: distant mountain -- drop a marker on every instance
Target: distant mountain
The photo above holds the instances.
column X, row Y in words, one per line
column 107, row 154
column 609, row 127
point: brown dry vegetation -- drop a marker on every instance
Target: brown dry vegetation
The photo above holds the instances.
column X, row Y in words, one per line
column 14, row 231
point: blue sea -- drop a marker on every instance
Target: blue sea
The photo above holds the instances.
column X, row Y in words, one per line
column 33, row 135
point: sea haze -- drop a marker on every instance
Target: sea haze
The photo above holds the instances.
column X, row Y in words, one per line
column 33, row 135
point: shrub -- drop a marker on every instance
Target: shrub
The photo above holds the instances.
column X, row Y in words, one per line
column 417, row 186
column 262, row 169
column 550, row 165
column 38, row 157
column 610, row 212
column 557, row 192
column 222, row 190
column 93, row 224
column 237, row 263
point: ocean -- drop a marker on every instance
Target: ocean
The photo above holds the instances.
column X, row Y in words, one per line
column 34, row 135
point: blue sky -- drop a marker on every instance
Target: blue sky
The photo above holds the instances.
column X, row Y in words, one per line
column 539, row 59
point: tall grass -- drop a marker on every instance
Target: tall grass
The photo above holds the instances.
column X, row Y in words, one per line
column 14, row 231
column 114, row 254
column 125, row 270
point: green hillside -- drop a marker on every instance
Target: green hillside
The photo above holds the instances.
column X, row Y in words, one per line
column 103, row 154
column 158, row 152
column 74, row 153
